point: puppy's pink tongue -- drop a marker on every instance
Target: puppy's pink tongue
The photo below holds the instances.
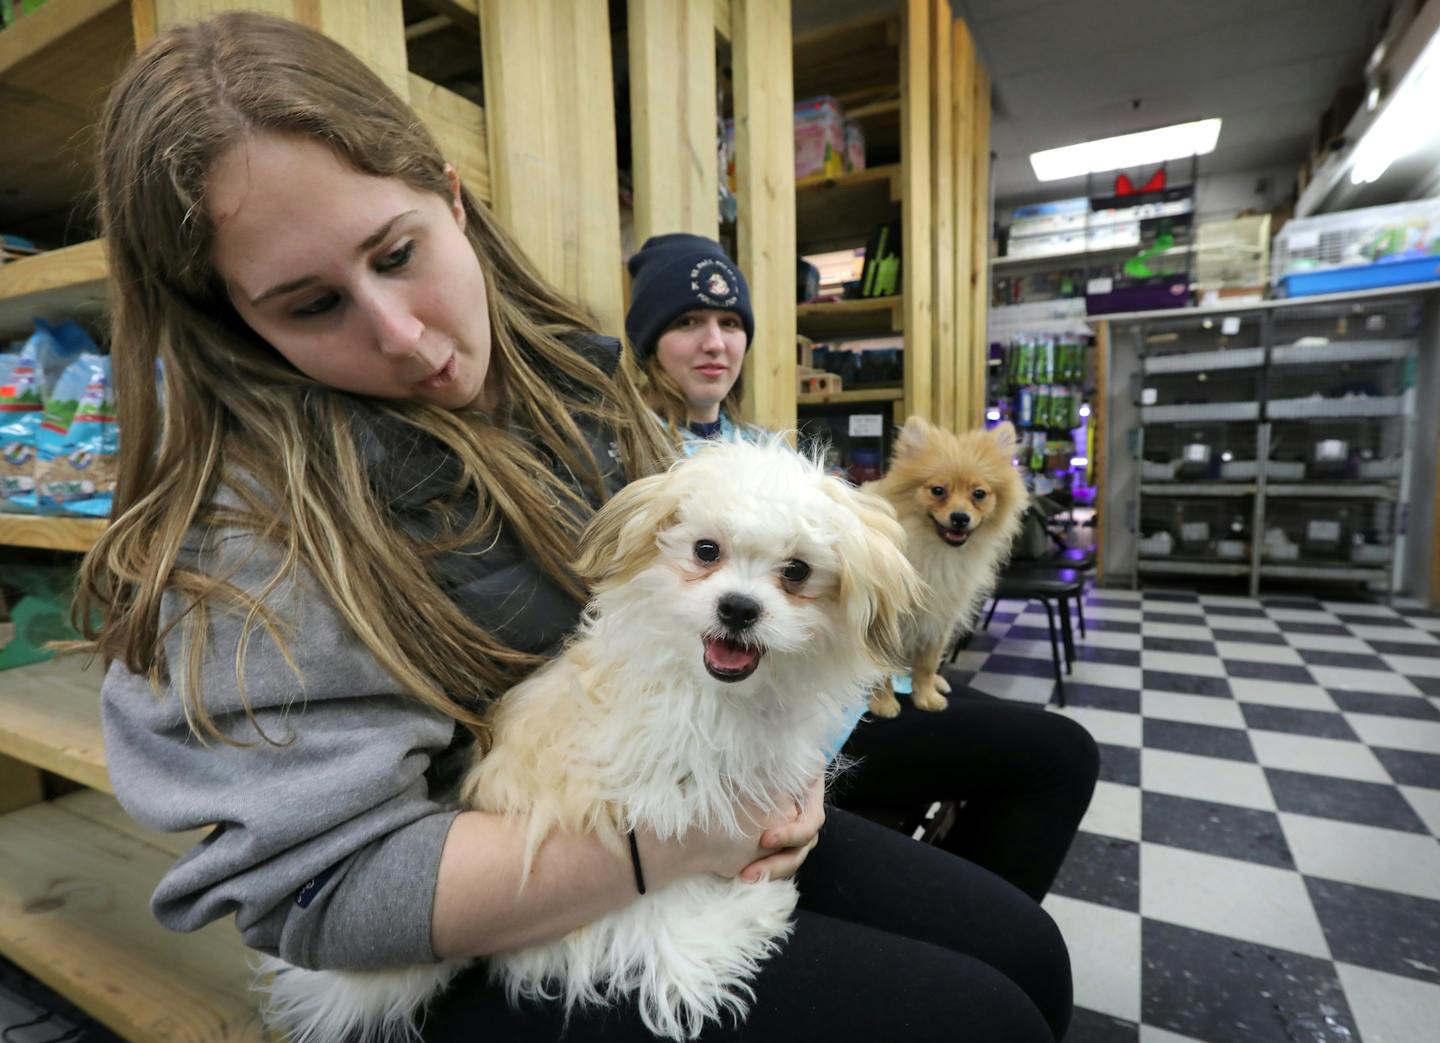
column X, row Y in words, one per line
column 729, row 656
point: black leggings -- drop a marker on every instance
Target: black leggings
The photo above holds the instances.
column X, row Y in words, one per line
column 894, row 940
column 1025, row 776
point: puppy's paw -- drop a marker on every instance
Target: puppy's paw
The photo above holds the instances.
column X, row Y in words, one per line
column 884, row 704
column 942, row 685
column 929, row 699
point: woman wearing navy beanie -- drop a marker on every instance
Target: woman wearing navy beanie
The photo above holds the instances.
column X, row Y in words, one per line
column 689, row 325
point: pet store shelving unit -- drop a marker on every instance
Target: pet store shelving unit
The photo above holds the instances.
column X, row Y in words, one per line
column 1276, row 442
column 911, row 78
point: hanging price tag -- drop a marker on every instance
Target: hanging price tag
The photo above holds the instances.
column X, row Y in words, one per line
column 866, row 425
column 1230, row 325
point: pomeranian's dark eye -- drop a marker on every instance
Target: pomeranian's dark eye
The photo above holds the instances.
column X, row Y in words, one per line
column 796, row 571
column 707, row 551
column 978, row 495
column 937, row 490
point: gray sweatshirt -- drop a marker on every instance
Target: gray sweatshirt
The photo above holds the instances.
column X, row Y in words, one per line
column 326, row 847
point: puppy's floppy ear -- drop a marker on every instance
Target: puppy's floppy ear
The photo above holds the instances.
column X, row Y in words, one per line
column 913, row 435
column 877, row 582
column 620, row 540
column 1004, row 435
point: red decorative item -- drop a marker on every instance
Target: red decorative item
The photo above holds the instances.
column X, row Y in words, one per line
column 1125, row 187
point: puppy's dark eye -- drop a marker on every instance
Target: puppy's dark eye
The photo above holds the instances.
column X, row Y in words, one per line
column 937, row 490
column 707, row 551
column 978, row 495
column 795, row 571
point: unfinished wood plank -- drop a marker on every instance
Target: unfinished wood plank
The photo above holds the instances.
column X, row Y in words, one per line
column 722, row 17
column 30, row 530
column 105, row 811
column 50, row 718
column 945, row 345
column 962, row 107
column 980, row 240
column 765, row 191
column 373, row 29
column 551, row 132
column 74, row 912
column 459, row 127
column 673, row 117
column 916, row 213
column 68, row 283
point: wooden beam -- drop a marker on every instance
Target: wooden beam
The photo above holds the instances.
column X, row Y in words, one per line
column 551, row 132
column 765, row 183
column 20, row 784
column 962, row 108
column 915, row 213
column 723, row 16
column 459, row 126
column 673, row 117
column 980, row 241
column 373, row 29
column 945, row 345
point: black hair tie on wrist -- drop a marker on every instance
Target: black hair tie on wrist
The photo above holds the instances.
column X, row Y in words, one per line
column 635, row 861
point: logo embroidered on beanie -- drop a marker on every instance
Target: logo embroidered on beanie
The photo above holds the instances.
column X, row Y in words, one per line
column 714, row 283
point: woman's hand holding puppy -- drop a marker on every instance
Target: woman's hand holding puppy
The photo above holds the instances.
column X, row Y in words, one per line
column 777, row 845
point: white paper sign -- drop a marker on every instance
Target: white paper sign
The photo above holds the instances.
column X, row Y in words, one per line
column 1149, row 396
column 866, row 425
column 1323, row 531
column 1230, row 325
column 1298, row 240
column 1098, row 286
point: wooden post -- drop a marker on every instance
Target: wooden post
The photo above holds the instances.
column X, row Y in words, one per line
column 550, row 114
column 962, row 106
column 980, row 240
column 945, row 344
column 765, row 190
column 915, row 209
column 373, row 29
column 673, row 117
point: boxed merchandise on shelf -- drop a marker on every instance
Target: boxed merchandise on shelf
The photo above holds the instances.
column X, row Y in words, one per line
column 819, row 138
column 1358, row 249
column 1233, row 254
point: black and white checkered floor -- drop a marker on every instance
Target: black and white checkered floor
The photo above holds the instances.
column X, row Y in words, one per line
column 1260, row 860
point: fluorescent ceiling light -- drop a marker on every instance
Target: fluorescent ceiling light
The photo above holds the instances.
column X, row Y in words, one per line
column 1404, row 124
column 1127, row 150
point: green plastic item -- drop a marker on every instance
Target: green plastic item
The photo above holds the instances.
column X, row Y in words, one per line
column 41, row 615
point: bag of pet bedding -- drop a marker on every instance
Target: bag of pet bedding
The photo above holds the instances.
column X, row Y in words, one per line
column 78, row 441
column 23, row 390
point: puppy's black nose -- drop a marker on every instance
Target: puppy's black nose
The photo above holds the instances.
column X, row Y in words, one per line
column 959, row 520
column 738, row 612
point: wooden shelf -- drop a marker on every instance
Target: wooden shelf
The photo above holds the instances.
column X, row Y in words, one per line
column 862, row 54
column 75, row 888
column 68, row 283
column 50, row 717
column 833, row 212
column 858, row 396
column 49, row 533
column 865, row 316
column 56, row 67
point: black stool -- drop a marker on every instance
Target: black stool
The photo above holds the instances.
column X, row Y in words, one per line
column 1053, row 588
column 1079, row 559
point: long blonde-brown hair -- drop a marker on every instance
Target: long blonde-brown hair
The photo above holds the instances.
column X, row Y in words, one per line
column 237, row 413
column 663, row 395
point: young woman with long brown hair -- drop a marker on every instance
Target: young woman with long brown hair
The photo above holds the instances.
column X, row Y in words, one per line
column 344, row 528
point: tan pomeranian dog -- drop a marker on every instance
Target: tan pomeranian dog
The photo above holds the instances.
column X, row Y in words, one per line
column 960, row 499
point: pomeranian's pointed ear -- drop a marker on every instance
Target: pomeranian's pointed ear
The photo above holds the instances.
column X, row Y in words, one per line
column 1004, row 435
column 914, row 434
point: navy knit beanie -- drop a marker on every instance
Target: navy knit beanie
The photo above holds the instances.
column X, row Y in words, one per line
column 676, row 273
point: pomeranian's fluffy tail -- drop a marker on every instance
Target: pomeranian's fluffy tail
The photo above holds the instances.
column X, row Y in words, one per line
column 384, row 1006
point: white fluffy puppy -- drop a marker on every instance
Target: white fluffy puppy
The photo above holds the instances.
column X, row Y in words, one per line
column 744, row 605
